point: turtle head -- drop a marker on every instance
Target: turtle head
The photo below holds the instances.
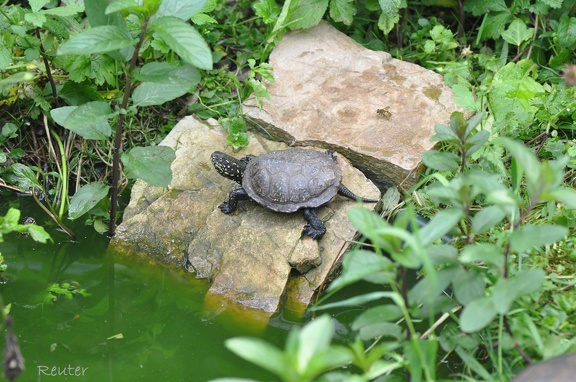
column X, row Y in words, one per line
column 229, row 167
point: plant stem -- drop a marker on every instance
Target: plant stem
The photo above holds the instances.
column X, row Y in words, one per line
column 48, row 70
column 63, row 177
column 118, row 136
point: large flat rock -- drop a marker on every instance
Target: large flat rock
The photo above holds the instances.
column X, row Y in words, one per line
column 254, row 257
column 327, row 93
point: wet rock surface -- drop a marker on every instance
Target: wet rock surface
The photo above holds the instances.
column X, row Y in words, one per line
column 331, row 92
column 248, row 256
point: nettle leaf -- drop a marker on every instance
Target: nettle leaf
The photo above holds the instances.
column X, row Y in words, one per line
column 306, row 13
column 99, row 39
column 36, row 5
column 531, row 235
column 463, row 96
column 343, row 11
column 36, row 19
column 566, row 32
column 182, row 9
column 68, row 10
column 124, row 5
column 184, row 40
column 89, row 120
column 163, row 82
column 268, row 10
column 151, row 164
column 517, row 32
column 86, row 198
column 386, row 22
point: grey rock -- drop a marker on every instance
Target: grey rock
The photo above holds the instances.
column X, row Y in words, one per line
column 328, row 90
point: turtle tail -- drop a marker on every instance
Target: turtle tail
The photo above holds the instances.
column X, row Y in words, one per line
column 344, row 191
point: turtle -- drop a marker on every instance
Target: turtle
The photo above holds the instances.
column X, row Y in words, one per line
column 286, row 181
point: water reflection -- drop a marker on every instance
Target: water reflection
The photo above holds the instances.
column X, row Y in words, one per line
column 138, row 321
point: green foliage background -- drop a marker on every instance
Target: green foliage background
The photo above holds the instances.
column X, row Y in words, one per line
column 495, row 261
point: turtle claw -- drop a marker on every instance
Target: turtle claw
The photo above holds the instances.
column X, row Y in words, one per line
column 227, row 208
column 314, row 233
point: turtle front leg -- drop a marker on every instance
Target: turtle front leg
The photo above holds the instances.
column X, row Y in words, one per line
column 230, row 205
column 315, row 227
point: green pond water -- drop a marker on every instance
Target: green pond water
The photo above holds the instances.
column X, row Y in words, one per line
column 139, row 323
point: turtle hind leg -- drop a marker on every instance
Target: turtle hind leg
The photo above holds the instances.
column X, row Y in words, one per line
column 344, row 191
column 231, row 204
column 315, row 227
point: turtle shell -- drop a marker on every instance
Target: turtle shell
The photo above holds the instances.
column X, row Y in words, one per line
column 287, row 180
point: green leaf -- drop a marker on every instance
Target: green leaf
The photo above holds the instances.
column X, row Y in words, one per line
column 151, row 164
column 76, row 94
column 36, row 19
column 507, row 290
column 364, row 265
column 531, row 235
column 67, row 11
column 381, row 329
column 86, row 198
column 487, row 218
column 267, row 10
column 10, row 220
column 22, row 176
column 38, row 233
column 468, row 285
column 517, row 32
column 482, row 252
column 464, row 97
column 163, row 82
column 386, row 23
column 184, row 40
column 380, row 313
column 314, row 338
column 89, row 120
column 441, row 160
column 359, row 300
column 258, row 352
column 36, row 5
column 470, row 361
column 182, row 9
column 124, row 5
column 100, row 39
column 477, row 315
column 343, row 11
column 306, row 13
column 564, row 195
column 524, row 158
column 567, row 32
column 440, row 225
